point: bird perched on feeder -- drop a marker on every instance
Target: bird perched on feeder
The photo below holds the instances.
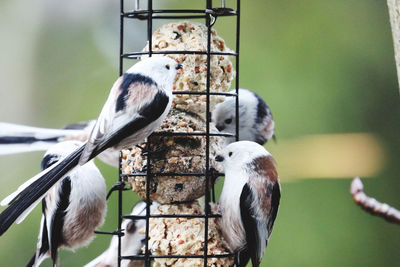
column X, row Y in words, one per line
column 249, row 199
column 255, row 118
column 72, row 209
column 16, row 138
column 138, row 103
column 131, row 242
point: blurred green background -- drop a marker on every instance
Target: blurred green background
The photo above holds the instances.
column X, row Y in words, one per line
column 324, row 67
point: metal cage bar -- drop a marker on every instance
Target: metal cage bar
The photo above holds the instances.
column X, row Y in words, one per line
column 207, row 191
column 148, row 145
column 237, row 67
column 210, row 15
column 121, row 68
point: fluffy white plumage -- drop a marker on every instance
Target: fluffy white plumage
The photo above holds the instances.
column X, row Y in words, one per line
column 137, row 105
column 249, row 199
column 131, row 242
column 255, row 118
column 72, row 209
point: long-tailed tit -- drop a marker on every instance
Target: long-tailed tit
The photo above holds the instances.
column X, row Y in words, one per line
column 72, row 209
column 131, row 242
column 16, row 138
column 249, row 199
column 138, row 103
column 255, row 118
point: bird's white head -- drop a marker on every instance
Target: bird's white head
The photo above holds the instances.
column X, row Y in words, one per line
column 161, row 69
column 238, row 154
column 59, row 151
column 64, row 148
column 224, row 114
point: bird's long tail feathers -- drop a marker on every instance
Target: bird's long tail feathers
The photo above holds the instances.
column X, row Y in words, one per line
column 33, row 262
column 36, row 261
column 243, row 257
column 16, row 138
column 28, row 195
column 42, row 250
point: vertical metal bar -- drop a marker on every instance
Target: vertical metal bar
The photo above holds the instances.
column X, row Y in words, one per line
column 237, row 81
column 148, row 145
column 237, row 67
column 137, row 7
column 148, row 203
column 150, row 25
column 119, row 209
column 207, row 190
column 121, row 38
column 223, row 4
column 121, row 67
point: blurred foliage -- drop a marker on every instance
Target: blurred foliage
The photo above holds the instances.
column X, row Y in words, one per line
column 323, row 67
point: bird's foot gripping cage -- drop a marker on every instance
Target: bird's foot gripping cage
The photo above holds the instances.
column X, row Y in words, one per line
column 210, row 14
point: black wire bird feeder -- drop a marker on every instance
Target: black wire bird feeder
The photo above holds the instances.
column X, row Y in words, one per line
column 210, row 14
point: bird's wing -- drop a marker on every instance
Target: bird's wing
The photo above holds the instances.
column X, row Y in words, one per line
column 257, row 224
column 250, row 224
column 57, row 220
column 43, row 241
column 103, row 123
column 273, row 212
column 130, row 100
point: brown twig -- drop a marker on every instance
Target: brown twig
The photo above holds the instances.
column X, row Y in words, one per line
column 371, row 204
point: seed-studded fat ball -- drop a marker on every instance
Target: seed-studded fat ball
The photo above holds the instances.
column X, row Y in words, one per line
column 191, row 36
column 185, row 236
column 173, row 154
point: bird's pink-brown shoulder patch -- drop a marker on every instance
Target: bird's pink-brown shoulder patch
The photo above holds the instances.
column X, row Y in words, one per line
column 140, row 93
column 267, row 186
column 265, row 166
column 133, row 90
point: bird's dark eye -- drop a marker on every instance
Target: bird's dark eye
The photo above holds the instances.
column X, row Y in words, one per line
column 228, row 121
column 230, row 154
column 167, row 66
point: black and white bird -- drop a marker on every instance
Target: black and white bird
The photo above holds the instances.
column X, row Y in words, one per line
column 131, row 242
column 255, row 118
column 17, row 138
column 138, row 103
column 72, row 209
column 249, row 199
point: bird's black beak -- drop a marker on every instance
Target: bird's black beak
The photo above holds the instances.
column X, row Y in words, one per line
column 219, row 158
column 220, row 127
column 179, row 66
